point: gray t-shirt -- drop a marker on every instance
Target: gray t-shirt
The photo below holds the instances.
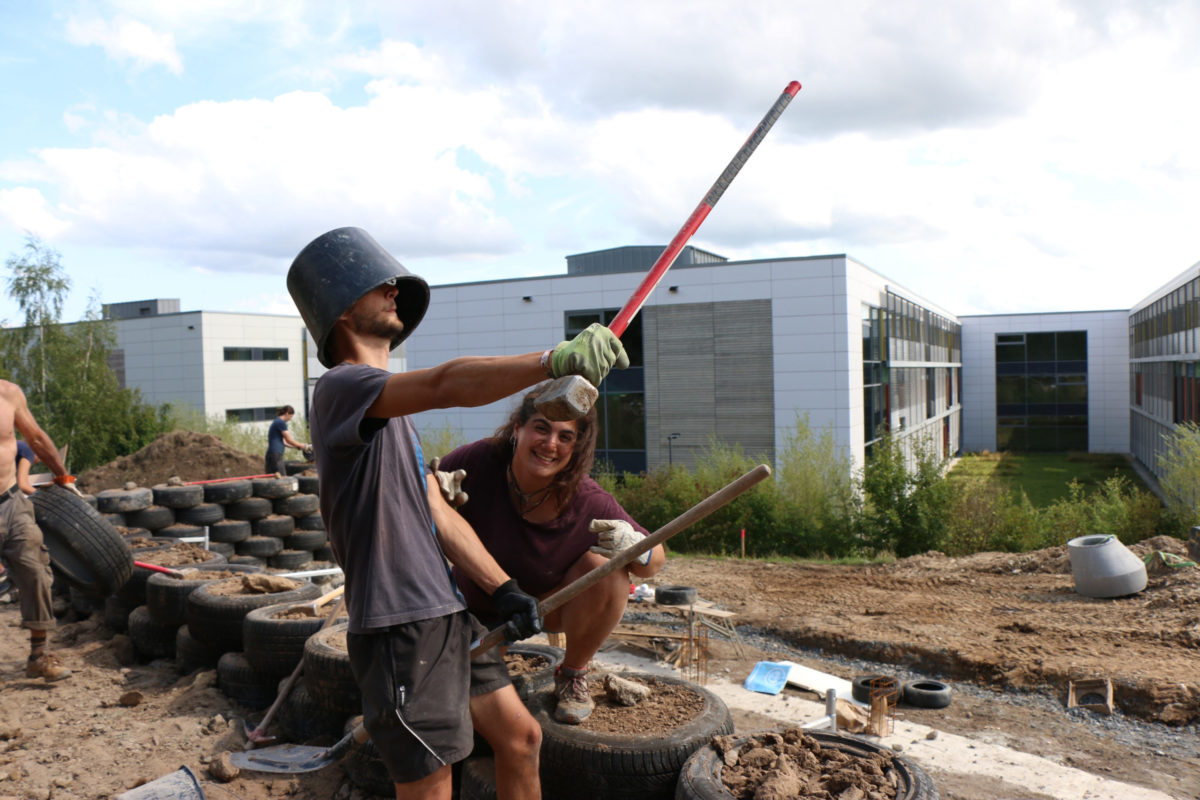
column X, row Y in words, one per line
column 374, row 505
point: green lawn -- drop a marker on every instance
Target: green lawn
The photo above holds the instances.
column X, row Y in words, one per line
column 1044, row 476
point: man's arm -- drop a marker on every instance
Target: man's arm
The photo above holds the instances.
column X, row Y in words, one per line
column 467, row 381
column 460, row 543
column 37, row 438
column 479, row 380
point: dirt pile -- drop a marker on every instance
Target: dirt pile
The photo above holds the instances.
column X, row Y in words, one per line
column 192, row 456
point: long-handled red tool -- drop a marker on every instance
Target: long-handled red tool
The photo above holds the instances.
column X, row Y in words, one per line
column 571, row 396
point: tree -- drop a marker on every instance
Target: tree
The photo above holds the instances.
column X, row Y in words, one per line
column 1180, row 479
column 906, row 508
column 64, row 369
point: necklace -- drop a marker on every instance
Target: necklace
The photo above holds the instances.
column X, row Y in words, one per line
column 527, row 502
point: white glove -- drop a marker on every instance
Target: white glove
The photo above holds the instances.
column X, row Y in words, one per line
column 615, row 537
column 450, row 483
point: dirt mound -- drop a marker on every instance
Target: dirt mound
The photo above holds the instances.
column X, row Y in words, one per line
column 192, row 456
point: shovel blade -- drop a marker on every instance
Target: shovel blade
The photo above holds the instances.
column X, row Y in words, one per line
column 287, row 758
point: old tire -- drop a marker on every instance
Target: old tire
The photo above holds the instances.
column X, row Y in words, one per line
column 308, row 484
column 239, row 681
column 177, row 497
column 227, row 491
column 302, row 719
column 530, row 683
column 478, row 778
column 700, row 778
column 305, row 540
column 277, row 525
column 674, row 595
column 166, row 597
column 275, row 488
column 201, row 514
column 290, row 559
column 327, row 670
column 191, row 655
column 120, row 501
column 248, row 508
column 297, row 505
column 151, row 640
column 926, row 693
column 84, row 549
column 215, row 619
column 310, row 522
column 152, row 518
column 180, row 530
column 229, row 531
column 862, row 685
column 584, row 764
column 275, row 642
column 259, row 546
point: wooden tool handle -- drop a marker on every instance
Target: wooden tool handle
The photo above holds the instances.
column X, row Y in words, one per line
column 694, row 514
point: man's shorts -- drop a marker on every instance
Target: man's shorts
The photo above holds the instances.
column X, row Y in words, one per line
column 416, row 681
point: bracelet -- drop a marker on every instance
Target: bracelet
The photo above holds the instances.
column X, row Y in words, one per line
column 546, row 362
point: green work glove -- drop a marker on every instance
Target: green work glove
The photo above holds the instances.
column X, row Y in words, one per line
column 591, row 354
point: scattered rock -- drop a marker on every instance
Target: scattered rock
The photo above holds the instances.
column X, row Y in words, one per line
column 131, row 698
column 931, row 735
column 624, row 692
column 222, row 768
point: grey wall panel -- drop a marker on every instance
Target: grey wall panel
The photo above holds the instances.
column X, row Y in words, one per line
column 711, row 364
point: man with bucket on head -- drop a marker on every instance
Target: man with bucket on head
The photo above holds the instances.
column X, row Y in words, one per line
column 392, row 531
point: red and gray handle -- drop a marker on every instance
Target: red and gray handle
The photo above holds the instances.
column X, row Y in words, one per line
column 571, row 396
column 672, row 251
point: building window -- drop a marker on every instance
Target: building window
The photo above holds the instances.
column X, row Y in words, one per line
column 875, row 376
column 256, row 354
column 1041, row 391
column 621, row 407
column 250, row 414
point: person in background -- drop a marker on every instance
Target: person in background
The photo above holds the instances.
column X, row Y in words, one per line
column 279, row 439
column 21, row 543
column 392, row 533
column 26, row 458
column 530, row 499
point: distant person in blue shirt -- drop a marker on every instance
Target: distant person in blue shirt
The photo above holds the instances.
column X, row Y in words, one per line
column 26, row 458
column 279, row 439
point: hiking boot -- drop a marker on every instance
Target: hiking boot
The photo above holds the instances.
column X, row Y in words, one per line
column 574, row 699
column 48, row 667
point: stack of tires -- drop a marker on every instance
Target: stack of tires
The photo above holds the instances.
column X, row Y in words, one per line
column 268, row 522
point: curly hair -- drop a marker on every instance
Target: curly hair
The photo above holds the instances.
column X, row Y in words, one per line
column 567, row 480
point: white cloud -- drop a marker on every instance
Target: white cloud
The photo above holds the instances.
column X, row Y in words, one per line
column 126, row 39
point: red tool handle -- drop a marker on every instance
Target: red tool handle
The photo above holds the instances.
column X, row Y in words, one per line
column 156, row 568
column 664, row 262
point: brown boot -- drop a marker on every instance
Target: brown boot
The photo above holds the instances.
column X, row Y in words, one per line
column 47, row 666
column 574, row 700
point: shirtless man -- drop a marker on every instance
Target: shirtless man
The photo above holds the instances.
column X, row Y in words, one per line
column 21, row 542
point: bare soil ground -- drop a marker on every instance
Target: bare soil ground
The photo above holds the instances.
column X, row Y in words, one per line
column 1002, row 628
column 1012, row 624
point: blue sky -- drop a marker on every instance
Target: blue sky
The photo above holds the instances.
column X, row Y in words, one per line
column 1001, row 157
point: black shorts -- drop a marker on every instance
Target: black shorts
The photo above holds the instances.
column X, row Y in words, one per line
column 416, row 681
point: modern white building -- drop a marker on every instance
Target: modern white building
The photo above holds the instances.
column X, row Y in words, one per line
column 1053, row 382
column 723, row 350
column 234, row 366
column 1164, row 374
column 735, row 351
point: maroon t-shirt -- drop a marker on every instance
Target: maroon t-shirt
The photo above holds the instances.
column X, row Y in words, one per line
column 536, row 554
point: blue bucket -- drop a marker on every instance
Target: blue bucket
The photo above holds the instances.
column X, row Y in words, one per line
column 179, row 785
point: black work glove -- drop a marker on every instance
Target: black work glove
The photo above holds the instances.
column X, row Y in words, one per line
column 518, row 610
